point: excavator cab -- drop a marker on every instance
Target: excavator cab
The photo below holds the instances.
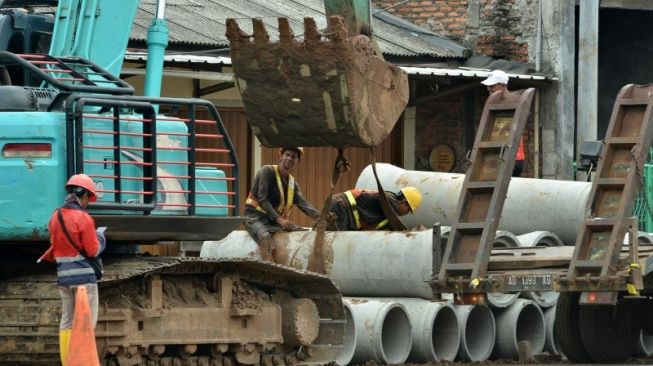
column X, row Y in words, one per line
column 330, row 89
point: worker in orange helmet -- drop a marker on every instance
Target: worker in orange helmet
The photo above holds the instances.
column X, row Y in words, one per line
column 360, row 209
column 273, row 194
column 73, row 239
column 497, row 81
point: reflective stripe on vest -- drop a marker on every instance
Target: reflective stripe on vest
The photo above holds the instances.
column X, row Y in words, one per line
column 354, row 210
column 281, row 210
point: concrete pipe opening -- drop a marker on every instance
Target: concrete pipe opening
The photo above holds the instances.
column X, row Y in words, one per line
column 396, row 337
column 523, row 321
column 383, row 330
column 477, row 332
column 436, row 333
column 445, row 337
column 551, row 342
column 644, row 344
column 346, row 354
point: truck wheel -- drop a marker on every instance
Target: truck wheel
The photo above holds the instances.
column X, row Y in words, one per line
column 606, row 333
column 567, row 328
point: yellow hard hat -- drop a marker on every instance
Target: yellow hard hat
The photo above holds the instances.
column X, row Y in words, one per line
column 298, row 148
column 413, row 196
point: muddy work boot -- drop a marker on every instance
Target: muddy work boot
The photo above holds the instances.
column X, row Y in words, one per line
column 267, row 247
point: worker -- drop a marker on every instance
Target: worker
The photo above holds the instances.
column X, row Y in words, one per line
column 73, row 239
column 497, row 81
column 273, row 194
column 360, row 209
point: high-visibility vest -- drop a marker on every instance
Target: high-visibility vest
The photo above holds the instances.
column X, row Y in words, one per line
column 351, row 197
column 283, row 210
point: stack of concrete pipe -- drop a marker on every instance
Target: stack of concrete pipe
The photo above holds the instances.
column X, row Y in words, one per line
column 531, row 204
column 386, row 274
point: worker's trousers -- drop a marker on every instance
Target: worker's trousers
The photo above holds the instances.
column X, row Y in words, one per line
column 67, row 294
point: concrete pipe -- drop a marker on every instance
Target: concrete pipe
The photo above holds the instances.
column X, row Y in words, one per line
column 642, row 238
column 523, row 321
column 383, row 330
column 644, row 344
column 346, row 354
column 501, row 300
column 361, row 263
column 551, row 342
column 543, row 299
column 531, row 204
column 477, row 332
column 505, row 239
column 539, row 239
column 436, row 333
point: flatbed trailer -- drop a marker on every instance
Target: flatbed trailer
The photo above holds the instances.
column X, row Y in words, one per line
column 606, row 286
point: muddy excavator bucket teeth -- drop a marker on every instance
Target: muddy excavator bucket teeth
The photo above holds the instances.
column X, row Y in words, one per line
column 327, row 90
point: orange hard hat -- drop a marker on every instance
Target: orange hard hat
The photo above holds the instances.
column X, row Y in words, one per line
column 84, row 181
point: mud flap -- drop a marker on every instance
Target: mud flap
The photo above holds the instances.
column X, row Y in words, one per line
column 328, row 90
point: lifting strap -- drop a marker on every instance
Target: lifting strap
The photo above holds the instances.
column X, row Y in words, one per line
column 390, row 214
column 340, row 167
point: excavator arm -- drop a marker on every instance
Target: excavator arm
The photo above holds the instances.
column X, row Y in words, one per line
column 96, row 30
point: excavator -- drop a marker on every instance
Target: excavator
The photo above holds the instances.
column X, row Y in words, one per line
column 165, row 170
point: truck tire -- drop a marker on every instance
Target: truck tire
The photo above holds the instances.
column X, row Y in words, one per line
column 567, row 328
column 606, row 333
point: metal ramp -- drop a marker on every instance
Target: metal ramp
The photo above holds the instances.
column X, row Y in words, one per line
column 467, row 254
column 617, row 180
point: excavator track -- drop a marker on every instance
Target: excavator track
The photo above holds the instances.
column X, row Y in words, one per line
column 183, row 311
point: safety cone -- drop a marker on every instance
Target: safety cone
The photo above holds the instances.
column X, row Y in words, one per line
column 82, row 351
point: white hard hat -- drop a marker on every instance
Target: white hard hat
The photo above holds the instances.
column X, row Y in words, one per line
column 496, row 77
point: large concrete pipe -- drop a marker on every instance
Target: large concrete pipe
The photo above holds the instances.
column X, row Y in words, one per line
column 539, row 239
column 551, row 342
column 531, row 204
column 346, row 354
column 523, row 321
column 361, row 263
column 477, row 332
column 383, row 330
column 436, row 333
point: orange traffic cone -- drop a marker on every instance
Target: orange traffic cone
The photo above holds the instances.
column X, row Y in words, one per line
column 82, row 351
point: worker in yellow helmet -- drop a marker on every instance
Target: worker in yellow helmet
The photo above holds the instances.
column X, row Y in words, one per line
column 273, row 194
column 360, row 209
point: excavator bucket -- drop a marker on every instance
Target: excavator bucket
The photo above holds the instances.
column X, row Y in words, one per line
column 327, row 90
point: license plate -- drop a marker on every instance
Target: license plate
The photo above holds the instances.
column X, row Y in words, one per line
column 529, row 282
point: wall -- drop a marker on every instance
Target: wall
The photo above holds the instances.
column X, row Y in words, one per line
column 503, row 29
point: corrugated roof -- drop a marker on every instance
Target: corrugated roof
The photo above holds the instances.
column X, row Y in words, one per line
column 470, row 73
column 202, row 23
column 411, row 70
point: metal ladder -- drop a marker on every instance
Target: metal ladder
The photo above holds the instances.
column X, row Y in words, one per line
column 618, row 178
column 484, row 190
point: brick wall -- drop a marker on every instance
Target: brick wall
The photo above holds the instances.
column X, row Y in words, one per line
column 447, row 17
column 441, row 122
column 497, row 28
